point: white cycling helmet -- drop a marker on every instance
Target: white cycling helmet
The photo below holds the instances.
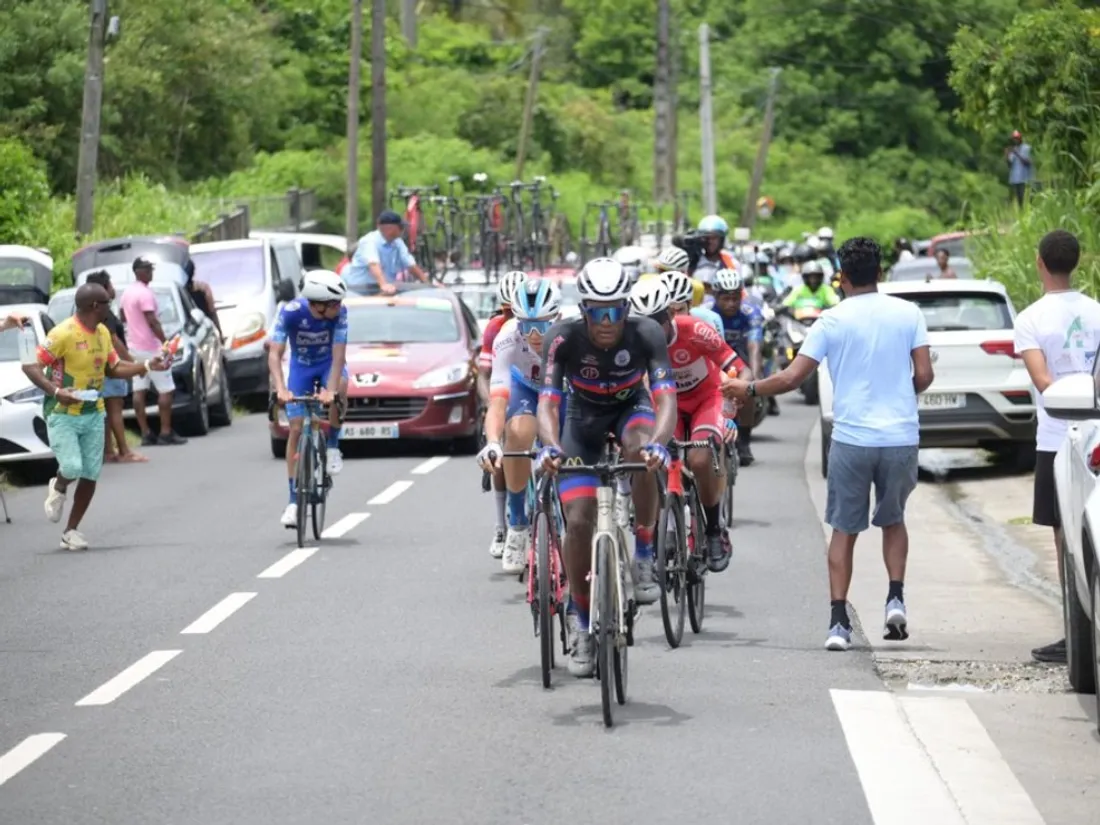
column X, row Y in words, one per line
column 508, row 283
column 322, row 285
column 673, row 259
column 728, row 280
column 825, row 233
column 680, row 288
column 536, row 299
column 603, row 279
column 649, row 297
column 631, row 256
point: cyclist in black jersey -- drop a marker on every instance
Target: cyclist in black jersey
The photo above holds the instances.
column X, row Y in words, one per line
column 605, row 357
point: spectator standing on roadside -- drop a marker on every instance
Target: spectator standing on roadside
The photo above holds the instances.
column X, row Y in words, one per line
column 203, row 296
column 879, row 362
column 1018, row 158
column 1056, row 336
column 381, row 259
column 146, row 338
column 78, row 356
column 115, row 389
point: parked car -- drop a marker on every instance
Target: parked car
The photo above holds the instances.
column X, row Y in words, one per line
column 315, row 251
column 412, row 358
column 981, row 395
column 22, row 427
column 1077, row 481
column 251, row 280
column 202, row 397
column 119, row 254
column 26, row 275
column 920, row 269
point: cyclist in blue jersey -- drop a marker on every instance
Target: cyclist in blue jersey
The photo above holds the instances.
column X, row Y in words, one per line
column 315, row 326
column 743, row 327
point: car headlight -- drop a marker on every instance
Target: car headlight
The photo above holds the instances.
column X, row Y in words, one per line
column 443, row 376
column 252, row 328
column 30, row 395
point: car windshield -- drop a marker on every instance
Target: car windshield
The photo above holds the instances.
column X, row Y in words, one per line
column 61, row 306
column 233, row 274
column 961, row 311
column 14, row 272
column 421, row 321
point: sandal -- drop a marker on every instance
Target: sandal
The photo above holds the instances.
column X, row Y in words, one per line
column 111, row 458
column 133, row 458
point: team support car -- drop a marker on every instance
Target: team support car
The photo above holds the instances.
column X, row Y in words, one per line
column 1077, row 481
column 202, row 396
column 981, row 395
column 412, row 366
column 22, row 427
column 26, row 275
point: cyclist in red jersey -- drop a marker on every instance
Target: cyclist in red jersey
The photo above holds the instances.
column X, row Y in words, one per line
column 508, row 283
column 701, row 361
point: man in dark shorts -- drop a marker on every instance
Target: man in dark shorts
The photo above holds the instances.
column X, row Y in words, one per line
column 606, row 357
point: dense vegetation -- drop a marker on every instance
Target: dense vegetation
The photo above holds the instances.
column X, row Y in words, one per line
column 891, row 115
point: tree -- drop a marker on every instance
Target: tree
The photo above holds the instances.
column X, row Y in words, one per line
column 24, row 191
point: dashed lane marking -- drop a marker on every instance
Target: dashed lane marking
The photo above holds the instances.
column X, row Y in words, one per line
column 135, row 673
column 26, row 752
column 390, row 493
column 430, row 464
column 218, row 613
column 287, row 563
column 345, row 525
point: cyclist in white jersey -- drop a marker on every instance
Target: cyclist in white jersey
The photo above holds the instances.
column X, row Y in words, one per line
column 513, row 403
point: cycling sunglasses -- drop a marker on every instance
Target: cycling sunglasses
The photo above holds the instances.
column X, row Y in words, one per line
column 324, row 305
column 527, row 327
column 600, row 314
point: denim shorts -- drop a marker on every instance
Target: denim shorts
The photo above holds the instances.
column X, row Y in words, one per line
column 115, row 387
column 854, row 471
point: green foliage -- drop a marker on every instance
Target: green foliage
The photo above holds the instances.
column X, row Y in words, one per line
column 24, row 191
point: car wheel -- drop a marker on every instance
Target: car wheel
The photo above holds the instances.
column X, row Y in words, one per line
column 222, row 414
column 197, row 421
column 826, row 443
column 278, row 447
column 1080, row 643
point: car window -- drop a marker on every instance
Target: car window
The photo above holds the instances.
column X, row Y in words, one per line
column 482, row 302
column 960, row 311
column 471, row 322
column 290, row 265
column 61, row 305
column 16, row 273
column 419, row 321
column 234, row 274
column 320, row 256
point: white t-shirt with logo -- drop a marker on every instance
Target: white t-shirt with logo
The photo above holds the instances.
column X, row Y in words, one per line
column 1065, row 326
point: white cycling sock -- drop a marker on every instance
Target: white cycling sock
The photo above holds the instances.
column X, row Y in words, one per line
column 502, row 503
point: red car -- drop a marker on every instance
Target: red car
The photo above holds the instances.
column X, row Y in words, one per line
column 412, row 362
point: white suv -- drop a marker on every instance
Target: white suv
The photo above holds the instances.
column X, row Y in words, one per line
column 981, row 396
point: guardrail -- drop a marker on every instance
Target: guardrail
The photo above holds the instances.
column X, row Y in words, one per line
column 292, row 212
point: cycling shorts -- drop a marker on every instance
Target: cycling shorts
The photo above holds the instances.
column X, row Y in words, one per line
column 585, row 434
column 699, row 415
column 306, row 381
column 522, row 400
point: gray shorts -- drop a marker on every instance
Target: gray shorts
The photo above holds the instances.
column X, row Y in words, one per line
column 892, row 471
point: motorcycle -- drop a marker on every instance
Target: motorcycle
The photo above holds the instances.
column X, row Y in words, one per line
column 795, row 327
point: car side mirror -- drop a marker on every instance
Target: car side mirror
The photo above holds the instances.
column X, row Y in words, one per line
column 285, row 292
column 1072, row 398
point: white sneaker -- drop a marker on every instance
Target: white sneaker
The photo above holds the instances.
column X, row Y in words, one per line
column 290, row 515
column 496, row 547
column 515, row 549
column 55, row 502
column 335, row 462
column 73, row 540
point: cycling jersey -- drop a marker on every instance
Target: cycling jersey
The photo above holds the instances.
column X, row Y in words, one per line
column 492, row 330
column 309, row 339
column 802, row 297
column 710, row 316
column 513, row 359
column 744, row 328
column 698, row 355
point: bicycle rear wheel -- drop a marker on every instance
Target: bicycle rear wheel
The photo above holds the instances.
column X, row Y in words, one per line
column 545, row 597
column 304, row 492
column 671, row 557
column 624, row 633
column 605, row 628
column 697, row 589
column 320, row 486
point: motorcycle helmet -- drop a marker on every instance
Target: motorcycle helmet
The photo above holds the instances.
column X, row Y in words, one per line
column 713, row 225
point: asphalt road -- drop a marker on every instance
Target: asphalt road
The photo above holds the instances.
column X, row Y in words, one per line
column 392, row 675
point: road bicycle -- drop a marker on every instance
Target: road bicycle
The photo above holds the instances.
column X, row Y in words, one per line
column 312, row 481
column 545, row 569
column 601, row 246
column 418, row 241
column 733, row 463
column 681, row 545
column 611, row 581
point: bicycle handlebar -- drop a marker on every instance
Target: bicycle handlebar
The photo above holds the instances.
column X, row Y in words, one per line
column 305, row 399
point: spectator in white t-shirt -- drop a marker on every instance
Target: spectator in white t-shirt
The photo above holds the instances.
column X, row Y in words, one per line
column 1056, row 336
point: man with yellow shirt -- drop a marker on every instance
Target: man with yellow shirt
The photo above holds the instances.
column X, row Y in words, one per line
column 70, row 367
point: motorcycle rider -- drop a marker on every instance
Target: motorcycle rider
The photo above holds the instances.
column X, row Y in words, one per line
column 713, row 230
column 743, row 328
column 814, row 292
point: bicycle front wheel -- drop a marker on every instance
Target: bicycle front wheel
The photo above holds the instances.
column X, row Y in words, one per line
column 605, row 629
column 697, row 589
column 545, row 600
column 305, row 483
column 320, row 488
column 671, row 558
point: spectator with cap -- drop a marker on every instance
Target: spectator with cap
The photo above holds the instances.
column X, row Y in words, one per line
column 1018, row 158
column 146, row 340
column 381, row 259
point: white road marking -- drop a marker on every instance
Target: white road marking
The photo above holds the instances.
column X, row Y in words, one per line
column 430, row 464
column 287, row 563
column 391, row 492
column 145, row 666
column 345, row 525
column 984, row 787
column 218, row 613
column 25, row 753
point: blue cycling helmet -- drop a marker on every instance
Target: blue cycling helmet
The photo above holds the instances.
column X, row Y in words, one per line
column 713, row 225
column 536, row 299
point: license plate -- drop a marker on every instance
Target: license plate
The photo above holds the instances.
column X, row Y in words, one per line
column 369, row 431
column 941, row 401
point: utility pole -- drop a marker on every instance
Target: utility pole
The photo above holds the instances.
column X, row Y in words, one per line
column 748, row 217
column 89, row 127
column 351, row 208
column 378, row 107
column 529, row 104
column 674, row 131
column 662, row 120
column 706, row 123
column 408, row 21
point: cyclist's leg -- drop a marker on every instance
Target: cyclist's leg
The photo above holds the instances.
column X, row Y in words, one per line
column 707, row 422
column 335, row 421
column 520, row 429
column 299, row 381
column 634, row 429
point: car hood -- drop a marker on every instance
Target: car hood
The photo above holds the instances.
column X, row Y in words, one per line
column 403, row 360
column 12, row 378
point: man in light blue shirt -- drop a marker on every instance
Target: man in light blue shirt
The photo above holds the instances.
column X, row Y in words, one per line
column 381, row 259
column 1018, row 158
column 879, row 362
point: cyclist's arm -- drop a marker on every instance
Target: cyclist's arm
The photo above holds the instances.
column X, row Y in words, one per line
column 500, row 383
column 339, row 352
column 661, row 384
column 553, row 389
column 485, row 360
column 276, row 347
